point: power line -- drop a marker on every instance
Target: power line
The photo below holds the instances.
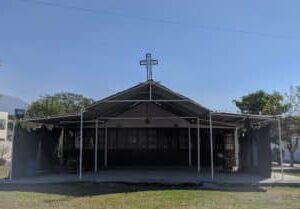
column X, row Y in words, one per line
column 161, row 21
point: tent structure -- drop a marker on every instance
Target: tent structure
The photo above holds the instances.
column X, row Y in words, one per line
column 145, row 125
column 151, row 120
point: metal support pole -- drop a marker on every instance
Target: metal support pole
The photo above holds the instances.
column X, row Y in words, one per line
column 236, row 148
column 96, row 147
column 150, row 91
column 105, row 149
column 198, row 143
column 211, row 148
column 280, row 148
column 81, row 144
column 190, row 148
column 62, row 144
column 12, row 152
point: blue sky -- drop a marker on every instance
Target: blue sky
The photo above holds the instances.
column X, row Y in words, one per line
column 212, row 51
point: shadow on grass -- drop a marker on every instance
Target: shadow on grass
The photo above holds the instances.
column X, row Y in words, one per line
column 91, row 189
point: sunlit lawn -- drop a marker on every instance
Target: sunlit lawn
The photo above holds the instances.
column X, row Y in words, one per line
column 114, row 196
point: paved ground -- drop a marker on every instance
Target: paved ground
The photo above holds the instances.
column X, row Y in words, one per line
column 293, row 171
column 162, row 176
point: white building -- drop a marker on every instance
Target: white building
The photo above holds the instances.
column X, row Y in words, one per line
column 3, row 126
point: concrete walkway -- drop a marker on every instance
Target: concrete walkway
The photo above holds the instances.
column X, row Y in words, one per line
column 159, row 176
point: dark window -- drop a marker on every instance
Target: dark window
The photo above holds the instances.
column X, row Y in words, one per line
column 2, row 124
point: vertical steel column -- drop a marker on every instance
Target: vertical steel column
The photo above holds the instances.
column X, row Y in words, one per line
column 63, row 139
column 236, row 148
column 211, row 148
column 150, row 90
column 198, row 143
column 190, row 148
column 105, row 149
column 280, row 148
column 96, row 147
column 81, row 144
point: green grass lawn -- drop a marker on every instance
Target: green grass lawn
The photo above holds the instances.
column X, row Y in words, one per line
column 3, row 171
column 115, row 196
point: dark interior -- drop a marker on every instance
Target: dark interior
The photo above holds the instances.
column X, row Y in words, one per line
column 146, row 147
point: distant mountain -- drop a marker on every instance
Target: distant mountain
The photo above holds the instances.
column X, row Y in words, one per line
column 9, row 104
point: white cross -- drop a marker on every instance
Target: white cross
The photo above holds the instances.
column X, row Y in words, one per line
column 148, row 62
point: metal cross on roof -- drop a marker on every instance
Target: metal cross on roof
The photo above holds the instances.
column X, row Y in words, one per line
column 148, row 62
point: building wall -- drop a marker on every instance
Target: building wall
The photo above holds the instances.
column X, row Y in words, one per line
column 3, row 126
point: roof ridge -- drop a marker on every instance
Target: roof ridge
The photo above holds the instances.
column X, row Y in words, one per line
column 116, row 94
column 180, row 95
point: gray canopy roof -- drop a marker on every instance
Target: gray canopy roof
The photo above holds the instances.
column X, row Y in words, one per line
column 155, row 93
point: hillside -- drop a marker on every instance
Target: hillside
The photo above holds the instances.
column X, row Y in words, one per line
column 9, row 103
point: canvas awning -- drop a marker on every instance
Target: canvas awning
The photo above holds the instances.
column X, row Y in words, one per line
column 154, row 93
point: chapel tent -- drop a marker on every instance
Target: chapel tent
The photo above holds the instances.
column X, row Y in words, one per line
column 146, row 125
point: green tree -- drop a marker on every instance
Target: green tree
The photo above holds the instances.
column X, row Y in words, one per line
column 291, row 122
column 58, row 103
column 290, row 134
column 262, row 103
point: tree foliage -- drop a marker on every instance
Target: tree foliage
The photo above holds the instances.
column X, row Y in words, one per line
column 262, row 103
column 293, row 99
column 58, row 103
column 291, row 122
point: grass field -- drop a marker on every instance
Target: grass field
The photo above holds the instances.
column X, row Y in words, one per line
column 114, row 196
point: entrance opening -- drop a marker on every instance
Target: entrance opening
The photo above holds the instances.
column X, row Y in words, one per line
column 150, row 147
